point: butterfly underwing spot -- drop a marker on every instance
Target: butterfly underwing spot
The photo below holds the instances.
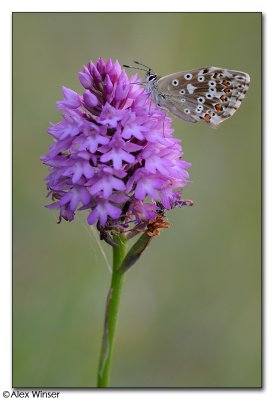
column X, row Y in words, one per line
column 207, row 117
column 203, row 71
column 218, row 108
column 188, row 76
column 182, row 91
column 239, row 77
column 199, row 108
column 200, row 78
column 191, row 88
column 226, row 83
column 201, row 100
column 183, row 100
column 223, row 98
column 175, row 82
column 187, row 111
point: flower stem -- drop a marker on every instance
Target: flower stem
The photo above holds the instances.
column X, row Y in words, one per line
column 111, row 313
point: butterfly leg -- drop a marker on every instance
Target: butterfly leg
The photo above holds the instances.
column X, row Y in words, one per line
column 138, row 83
column 164, row 120
column 150, row 102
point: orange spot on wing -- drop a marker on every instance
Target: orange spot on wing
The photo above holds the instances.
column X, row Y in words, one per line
column 218, row 108
column 207, row 117
column 226, row 83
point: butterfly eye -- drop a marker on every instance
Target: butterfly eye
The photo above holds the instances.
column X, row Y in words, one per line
column 182, row 91
column 175, row 82
column 151, row 77
column 201, row 100
column 188, row 76
column 200, row 78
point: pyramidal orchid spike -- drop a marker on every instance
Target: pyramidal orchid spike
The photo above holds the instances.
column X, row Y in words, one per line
column 111, row 154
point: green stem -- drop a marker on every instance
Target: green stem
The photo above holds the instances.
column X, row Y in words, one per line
column 111, row 313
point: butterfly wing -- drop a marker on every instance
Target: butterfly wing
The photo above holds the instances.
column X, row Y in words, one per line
column 208, row 94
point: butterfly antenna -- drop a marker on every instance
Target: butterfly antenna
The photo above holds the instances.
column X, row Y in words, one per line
column 130, row 66
column 143, row 65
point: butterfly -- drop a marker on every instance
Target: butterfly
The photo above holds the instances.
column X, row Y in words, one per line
column 208, row 94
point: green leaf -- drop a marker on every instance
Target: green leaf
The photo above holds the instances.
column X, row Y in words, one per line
column 135, row 252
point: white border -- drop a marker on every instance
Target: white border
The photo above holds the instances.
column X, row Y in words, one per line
column 7, row 7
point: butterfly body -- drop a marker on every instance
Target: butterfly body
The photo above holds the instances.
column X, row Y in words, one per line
column 208, row 94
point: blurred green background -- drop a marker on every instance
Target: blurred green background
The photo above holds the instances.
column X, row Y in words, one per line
column 190, row 311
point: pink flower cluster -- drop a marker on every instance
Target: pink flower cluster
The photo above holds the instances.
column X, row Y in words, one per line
column 114, row 153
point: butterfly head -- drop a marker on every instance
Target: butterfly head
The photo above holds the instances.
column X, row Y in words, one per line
column 151, row 77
